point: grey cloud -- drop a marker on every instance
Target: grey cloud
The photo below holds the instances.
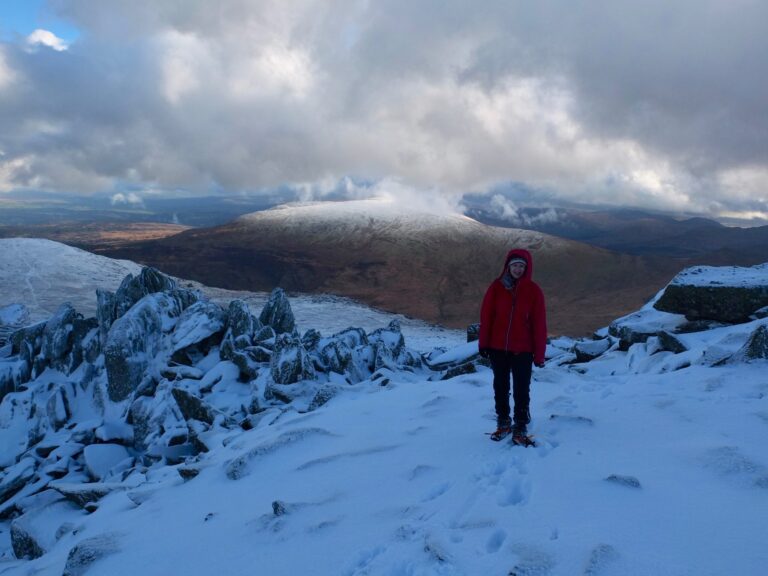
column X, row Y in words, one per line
column 585, row 99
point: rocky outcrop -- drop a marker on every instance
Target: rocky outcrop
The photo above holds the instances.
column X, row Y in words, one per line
column 137, row 337
column 149, row 382
column 277, row 312
column 290, row 362
column 731, row 295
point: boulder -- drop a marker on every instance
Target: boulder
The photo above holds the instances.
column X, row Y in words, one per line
column 87, row 493
column 88, row 551
column 35, row 532
column 102, row 460
column 756, row 347
column 277, row 312
column 192, row 407
column 137, row 337
column 668, row 343
column 727, row 294
column 324, row 394
column 240, row 321
column 199, row 327
column 391, row 337
column 15, row 477
column 588, row 350
column 290, row 362
column 473, row 332
column 134, row 288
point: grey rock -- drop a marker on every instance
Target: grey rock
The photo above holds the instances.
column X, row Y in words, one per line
column 134, row 288
column 323, row 395
column 240, row 321
column 290, row 362
column 756, row 347
column 460, row 370
column 197, row 323
column 336, row 356
column 25, row 545
column 588, row 350
column 136, row 338
column 277, row 312
column 16, row 477
column 729, row 304
column 352, row 337
column 265, row 336
column 622, row 480
column 89, row 551
column 88, row 493
column 13, row 373
column 628, row 335
column 669, row 343
column 473, row 332
column 391, row 337
column 192, row 407
column 57, row 338
column 36, row 531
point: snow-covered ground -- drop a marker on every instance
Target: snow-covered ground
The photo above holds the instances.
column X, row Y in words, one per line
column 648, row 463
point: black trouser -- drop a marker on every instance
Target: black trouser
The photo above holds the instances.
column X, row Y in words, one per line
column 521, row 366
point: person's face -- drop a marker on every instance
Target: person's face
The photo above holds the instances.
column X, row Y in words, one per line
column 517, row 269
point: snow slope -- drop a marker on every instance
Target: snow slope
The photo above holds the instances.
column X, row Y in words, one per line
column 41, row 274
column 648, row 463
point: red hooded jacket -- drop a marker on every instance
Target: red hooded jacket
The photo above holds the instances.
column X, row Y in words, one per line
column 515, row 319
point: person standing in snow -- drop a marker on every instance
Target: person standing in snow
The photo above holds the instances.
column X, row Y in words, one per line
column 513, row 336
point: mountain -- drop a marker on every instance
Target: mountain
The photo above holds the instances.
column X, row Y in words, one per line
column 423, row 265
column 376, row 462
column 698, row 240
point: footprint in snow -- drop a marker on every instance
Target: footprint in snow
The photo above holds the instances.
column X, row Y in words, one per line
column 496, row 541
column 436, row 491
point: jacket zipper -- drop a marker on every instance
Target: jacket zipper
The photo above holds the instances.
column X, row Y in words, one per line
column 511, row 314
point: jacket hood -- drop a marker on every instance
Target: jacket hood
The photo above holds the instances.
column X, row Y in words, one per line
column 519, row 253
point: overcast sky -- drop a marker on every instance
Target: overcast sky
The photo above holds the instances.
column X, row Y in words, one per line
column 659, row 103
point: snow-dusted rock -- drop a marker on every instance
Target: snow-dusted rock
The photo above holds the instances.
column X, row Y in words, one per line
column 103, row 459
column 277, row 312
column 587, row 350
column 137, row 337
column 756, row 347
column 35, row 532
column 15, row 477
column 323, row 395
column 192, row 407
column 290, row 362
column 240, row 321
column 89, row 551
column 670, row 343
column 728, row 294
column 198, row 328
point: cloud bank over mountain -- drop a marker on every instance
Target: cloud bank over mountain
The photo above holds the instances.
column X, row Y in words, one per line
column 653, row 104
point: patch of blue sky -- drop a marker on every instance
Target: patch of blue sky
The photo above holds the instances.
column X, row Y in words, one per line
column 19, row 18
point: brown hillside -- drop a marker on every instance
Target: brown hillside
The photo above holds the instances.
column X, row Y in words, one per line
column 431, row 267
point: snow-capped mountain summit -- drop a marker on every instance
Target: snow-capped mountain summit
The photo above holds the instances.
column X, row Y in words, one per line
column 172, row 434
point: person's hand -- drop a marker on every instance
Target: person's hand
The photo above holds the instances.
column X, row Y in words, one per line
column 485, row 352
column 540, row 364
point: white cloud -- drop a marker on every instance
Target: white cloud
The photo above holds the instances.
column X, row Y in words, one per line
column 42, row 37
column 131, row 199
column 7, row 75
